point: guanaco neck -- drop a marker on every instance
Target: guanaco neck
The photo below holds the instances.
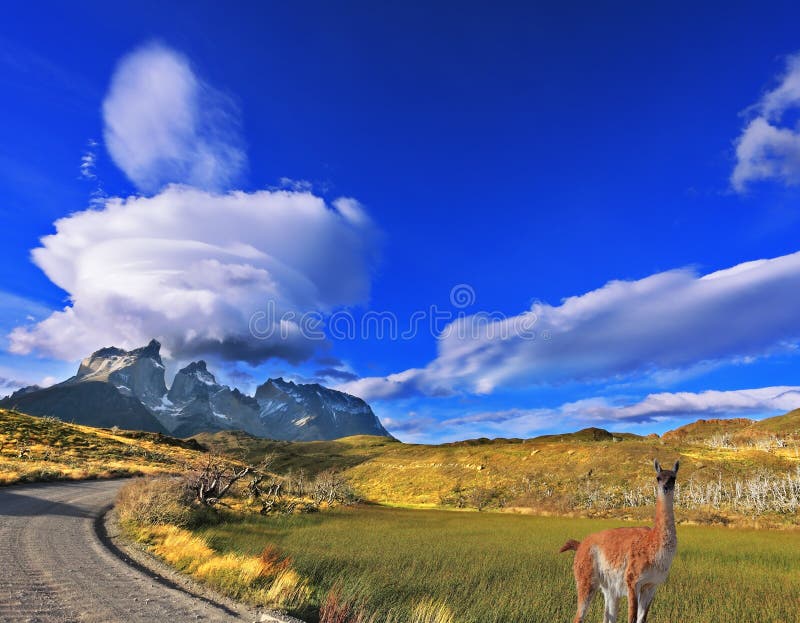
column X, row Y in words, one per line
column 664, row 524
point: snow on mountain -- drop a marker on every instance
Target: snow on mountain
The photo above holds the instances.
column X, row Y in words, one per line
column 196, row 402
column 138, row 373
column 311, row 411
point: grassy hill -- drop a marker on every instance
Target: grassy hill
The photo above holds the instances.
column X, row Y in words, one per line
column 784, row 425
column 41, row 448
column 739, row 431
column 589, row 472
column 728, row 467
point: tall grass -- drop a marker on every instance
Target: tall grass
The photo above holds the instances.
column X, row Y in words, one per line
column 501, row 568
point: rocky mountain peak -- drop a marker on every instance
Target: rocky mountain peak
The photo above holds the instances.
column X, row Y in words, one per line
column 108, row 351
column 196, row 366
column 138, row 373
column 192, row 382
column 281, row 382
column 152, row 351
column 130, row 385
column 199, row 371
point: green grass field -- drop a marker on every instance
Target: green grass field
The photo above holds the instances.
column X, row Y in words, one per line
column 503, row 568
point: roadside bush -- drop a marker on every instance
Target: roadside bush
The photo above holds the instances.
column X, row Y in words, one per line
column 156, row 501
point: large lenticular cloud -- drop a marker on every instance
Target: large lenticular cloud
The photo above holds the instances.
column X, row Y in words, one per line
column 193, row 263
column 192, row 267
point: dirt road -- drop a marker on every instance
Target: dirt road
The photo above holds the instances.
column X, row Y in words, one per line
column 54, row 567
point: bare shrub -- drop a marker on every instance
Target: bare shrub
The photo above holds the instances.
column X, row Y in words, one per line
column 481, row 497
column 721, row 441
column 211, row 479
column 762, row 492
column 457, row 496
column 156, row 501
column 331, row 488
column 769, row 443
column 296, row 483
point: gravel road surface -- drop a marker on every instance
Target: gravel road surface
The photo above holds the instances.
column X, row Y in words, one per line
column 55, row 568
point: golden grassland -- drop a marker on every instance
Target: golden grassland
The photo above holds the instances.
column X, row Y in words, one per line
column 35, row 449
column 371, row 564
column 389, row 564
column 590, row 473
column 263, row 579
column 386, row 563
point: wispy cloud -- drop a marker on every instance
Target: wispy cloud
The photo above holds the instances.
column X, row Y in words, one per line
column 89, row 160
column 296, row 185
column 626, row 329
column 164, row 124
column 7, row 383
column 677, row 408
column 335, row 374
column 769, row 146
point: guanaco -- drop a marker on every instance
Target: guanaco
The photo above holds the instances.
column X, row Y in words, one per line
column 628, row 561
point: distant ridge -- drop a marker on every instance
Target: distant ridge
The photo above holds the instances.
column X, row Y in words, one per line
column 114, row 386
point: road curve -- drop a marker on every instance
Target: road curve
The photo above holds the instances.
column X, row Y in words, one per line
column 54, row 568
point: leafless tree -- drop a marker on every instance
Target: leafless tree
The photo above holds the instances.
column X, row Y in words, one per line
column 266, row 487
column 331, row 487
column 212, row 479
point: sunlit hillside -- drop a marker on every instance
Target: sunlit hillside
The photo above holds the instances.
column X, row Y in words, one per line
column 36, row 448
column 727, row 468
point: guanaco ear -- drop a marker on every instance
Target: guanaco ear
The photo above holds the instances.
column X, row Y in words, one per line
column 676, row 466
column 657, row 465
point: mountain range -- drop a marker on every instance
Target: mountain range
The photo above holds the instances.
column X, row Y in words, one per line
column 128, row 389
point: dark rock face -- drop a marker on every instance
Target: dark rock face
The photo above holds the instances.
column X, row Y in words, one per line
column 191, row 382
column 93, row 403
column 138, row 373
column 127, row 388
column 24, row 390
column 199, row 403
column 308, row 412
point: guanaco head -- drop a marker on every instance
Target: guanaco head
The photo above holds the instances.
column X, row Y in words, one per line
column 666, row 477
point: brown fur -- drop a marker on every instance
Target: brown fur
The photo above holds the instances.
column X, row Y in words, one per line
column 638, row 553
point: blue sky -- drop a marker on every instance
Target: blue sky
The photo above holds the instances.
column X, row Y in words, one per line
column 573, row 170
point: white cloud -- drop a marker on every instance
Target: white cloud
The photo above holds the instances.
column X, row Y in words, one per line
column 769, row 147
column 688, row 405
column 163, row 124
column 668, row 321
column 89, row 161
column 191, row 267
column 613, row 414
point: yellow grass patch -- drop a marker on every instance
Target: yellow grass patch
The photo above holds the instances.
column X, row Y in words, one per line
column 430, row 611
column 251, row 578
column 38, row 449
